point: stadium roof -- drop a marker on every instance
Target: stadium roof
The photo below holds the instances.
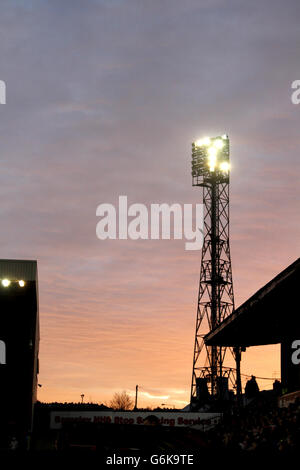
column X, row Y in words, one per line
column 18, row 269
column 271, row 315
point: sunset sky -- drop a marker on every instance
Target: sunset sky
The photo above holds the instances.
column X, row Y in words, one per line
column 104, row 98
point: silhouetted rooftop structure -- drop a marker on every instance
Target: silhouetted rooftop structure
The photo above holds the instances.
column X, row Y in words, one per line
column 268, row 317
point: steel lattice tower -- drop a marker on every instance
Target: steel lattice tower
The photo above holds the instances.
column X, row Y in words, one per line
column 210, row 170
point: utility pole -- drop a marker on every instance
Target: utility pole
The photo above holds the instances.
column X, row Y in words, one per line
column 136, row 396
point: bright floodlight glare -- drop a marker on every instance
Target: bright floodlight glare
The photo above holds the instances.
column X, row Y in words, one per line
column 21, row 283
column 211, row 155
column 206, row 141
column 202, row 142
column 212, row 151
column 225, row 166
column 218, row 143
column 5, row 282
column 212, row 158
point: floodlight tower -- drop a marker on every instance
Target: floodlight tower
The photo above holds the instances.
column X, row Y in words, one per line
column 210, row 170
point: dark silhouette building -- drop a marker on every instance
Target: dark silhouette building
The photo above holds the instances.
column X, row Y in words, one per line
column 270, row 316
column 19, row 346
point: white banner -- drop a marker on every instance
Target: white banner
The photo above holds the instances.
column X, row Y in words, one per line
column 202, row 421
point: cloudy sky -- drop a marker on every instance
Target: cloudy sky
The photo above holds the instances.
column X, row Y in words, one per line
column 104, row 98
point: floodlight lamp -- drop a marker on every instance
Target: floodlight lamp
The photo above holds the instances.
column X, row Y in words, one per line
column 206, row 141
column 21, row 283
column 212, row 158
column 218, row 143
column 225, row 166
column 211, row 155
column 202, row 142
column 5, row 282
column 212, row 151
